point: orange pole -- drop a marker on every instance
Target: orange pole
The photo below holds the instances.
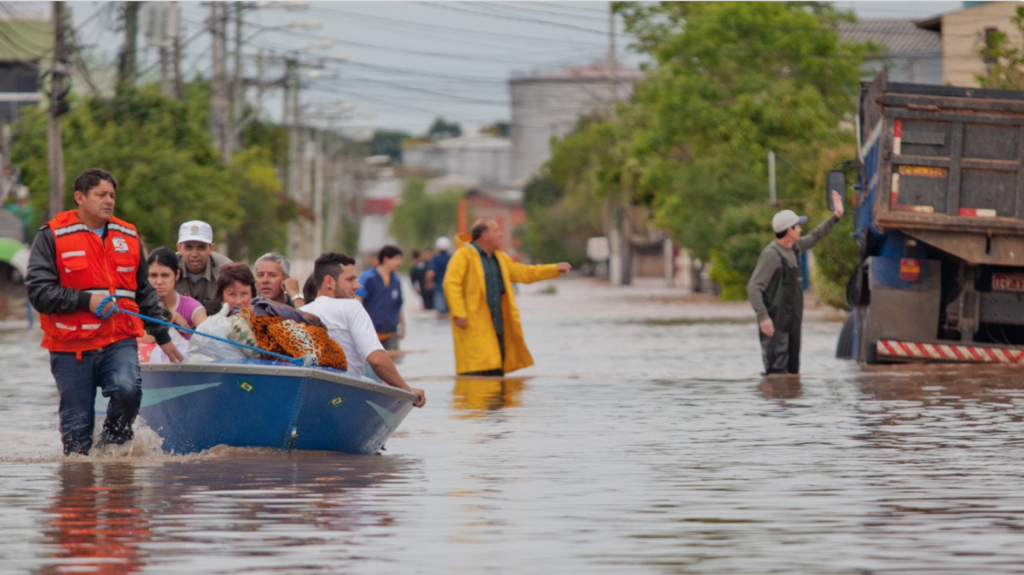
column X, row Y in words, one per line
column 463, row 227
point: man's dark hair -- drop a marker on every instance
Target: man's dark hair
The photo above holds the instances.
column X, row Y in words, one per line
column 232, row 273
column 92, row 178
column 309, row 289
column 782, row 234
column 415, row 254
column 388, row 252
column 478, row 229
column 330, row 264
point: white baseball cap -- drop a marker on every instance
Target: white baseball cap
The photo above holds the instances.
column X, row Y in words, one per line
column 443, row 244
column 195, row 231
column 786, row 219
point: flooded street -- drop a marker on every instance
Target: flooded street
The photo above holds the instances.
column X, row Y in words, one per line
column 642, row 441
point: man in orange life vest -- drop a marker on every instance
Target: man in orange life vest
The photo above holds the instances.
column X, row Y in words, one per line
column 78, row 258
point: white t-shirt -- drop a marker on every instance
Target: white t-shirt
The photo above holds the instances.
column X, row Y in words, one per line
column 348, row 324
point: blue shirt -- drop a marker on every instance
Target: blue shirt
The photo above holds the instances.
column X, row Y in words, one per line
column 382, row 303
column 439, row 265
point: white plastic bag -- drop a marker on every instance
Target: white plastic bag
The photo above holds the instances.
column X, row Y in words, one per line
column 204, row 350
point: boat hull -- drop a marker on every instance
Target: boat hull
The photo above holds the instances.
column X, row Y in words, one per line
column 193, row 407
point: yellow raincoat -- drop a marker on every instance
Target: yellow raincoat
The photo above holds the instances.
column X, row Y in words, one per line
column 476, row 346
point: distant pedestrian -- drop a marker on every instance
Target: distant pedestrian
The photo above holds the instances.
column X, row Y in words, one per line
column 485, row 320
column 435, row 273
column 380, row 291
column 418, row 277
column 79, row 259
column 776, row 292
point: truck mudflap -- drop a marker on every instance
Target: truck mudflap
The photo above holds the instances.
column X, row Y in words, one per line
column 894, row 350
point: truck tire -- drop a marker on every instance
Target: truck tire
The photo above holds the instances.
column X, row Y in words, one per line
column 844, row 347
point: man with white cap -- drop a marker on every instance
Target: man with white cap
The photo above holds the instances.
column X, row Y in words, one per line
column 200, row 266
column 776, row 292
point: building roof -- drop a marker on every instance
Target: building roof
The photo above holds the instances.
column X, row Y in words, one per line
column 897, row 36
column 597, row 71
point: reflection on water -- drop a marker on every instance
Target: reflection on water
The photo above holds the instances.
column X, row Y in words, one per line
column 781, row 387
column 478, row 394
column 97, row 524
column 635, row 447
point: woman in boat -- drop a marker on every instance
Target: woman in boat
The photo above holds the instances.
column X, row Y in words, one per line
column 163, row 273
column 236, row 285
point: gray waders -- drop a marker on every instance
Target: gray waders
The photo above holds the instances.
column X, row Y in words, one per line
column 785, row 300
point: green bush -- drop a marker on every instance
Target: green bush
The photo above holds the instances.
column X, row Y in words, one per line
column 835, row 258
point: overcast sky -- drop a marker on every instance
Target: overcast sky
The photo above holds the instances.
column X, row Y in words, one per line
column 411, row 61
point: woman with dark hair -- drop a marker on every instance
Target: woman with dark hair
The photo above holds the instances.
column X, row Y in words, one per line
column 236, row 285
column 163, row 273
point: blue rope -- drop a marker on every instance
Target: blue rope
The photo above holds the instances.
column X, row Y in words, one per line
column 112, row 297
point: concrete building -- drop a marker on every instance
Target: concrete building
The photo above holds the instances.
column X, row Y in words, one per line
column 550, row 103
column 911, row 53
column 964, row 34
column 483, row 158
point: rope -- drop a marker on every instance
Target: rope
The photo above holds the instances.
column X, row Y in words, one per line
column 300, row 361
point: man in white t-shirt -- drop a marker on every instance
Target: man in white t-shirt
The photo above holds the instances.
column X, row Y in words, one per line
column 348, row 323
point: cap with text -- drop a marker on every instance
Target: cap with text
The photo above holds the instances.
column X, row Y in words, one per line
column 786, row 219
column 195, row 231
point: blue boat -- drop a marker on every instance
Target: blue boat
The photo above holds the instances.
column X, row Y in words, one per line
column 259, row 403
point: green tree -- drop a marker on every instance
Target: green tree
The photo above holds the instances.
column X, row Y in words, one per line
column 161, row 154
column 1004, row 59
column 442, row 129
column 388, row 143
column 420, row 218
column 557, row 227
column 729, row 82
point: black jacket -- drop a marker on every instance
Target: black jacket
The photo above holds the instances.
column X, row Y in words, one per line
column 48, row 296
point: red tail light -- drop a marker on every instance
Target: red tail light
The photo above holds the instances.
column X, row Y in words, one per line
column 910, row 270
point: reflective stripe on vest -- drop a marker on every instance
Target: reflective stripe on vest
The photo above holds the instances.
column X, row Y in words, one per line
column 118, row 292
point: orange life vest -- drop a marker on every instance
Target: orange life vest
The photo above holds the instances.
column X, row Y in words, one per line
column 97, row 265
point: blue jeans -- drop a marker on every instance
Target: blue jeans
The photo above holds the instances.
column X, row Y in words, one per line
column 440, row 303
column 115, row 370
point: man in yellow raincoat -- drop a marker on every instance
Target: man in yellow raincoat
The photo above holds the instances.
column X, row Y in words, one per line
column 485, row 319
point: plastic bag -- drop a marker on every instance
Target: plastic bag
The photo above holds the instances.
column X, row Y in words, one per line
column 204, row 350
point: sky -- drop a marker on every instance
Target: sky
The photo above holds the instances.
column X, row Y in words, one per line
column 409, row 62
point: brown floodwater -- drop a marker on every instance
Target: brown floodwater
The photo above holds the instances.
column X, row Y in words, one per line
column 643, row 441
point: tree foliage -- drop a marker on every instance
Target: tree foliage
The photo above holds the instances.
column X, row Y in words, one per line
column 1004, row 59
column 729, row 82
column 420, row 218
column 167, row 169
column 442, row 129
column 388, row 143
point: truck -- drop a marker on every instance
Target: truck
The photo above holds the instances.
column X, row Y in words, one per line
column 939, row 217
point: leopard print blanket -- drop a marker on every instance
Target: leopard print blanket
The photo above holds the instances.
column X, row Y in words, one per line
column 294, row 339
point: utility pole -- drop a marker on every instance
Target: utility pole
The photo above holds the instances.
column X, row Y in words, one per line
column 58, row 90
column 237, row 88
column 179, row 82
column 624, row 237
column 165, row 74
column 771, row 178
column 131, row 32
column 318, row 195
column 219, row 98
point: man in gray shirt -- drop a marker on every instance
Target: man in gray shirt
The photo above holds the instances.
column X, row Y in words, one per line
column 776, row 292
column 199, row 265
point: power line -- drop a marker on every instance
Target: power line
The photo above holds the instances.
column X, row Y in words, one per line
column 525, row 19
